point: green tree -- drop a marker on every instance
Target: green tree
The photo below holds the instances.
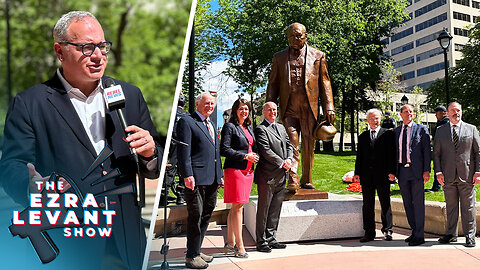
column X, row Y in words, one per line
column 348, row 31
column 147, row 36
column 464, row 81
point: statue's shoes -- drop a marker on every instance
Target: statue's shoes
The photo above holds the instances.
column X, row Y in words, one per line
column 308, row 186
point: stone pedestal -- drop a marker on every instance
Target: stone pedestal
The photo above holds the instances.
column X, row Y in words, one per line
column 340, row 216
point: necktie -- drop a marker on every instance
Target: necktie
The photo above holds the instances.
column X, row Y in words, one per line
column 275, row 128
column 373, row 135
column 210, row 129
column 404, row 145
column 455, row 136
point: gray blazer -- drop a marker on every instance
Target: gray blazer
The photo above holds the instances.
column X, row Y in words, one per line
column 464, row 160
column 273, row 150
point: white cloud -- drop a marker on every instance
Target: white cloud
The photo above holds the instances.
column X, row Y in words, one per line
column 215, row 80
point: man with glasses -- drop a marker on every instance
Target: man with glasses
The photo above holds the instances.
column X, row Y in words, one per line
column 62, row 125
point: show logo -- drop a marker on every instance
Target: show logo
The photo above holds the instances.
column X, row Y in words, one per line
column 59, row 203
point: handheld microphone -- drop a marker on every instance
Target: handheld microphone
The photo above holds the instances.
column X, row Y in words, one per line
column 116, row 102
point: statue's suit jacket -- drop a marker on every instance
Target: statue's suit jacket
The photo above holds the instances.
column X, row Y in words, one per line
column 273, row 149
column 317, row 81
column 419, row 149
column 43, row 128
column 463, row 161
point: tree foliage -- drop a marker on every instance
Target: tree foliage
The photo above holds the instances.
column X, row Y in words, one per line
column 463, row 80
column 147, row 36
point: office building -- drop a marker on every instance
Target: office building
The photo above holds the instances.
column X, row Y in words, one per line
column 414, row 48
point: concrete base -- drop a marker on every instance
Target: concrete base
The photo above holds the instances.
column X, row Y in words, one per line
column 340, row 216
column 435, row 216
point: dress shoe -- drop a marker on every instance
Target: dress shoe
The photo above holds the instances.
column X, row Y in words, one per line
column 447, row 239
column 366, row 238
column 292, row 187
column 196, row 263
column 277, row 245
column 206, row 258
column 416, row 242
column 180, row 201
column 469, row 242
column 264, row 248
column 408, row 239
column 308, row 186
column 387, row 236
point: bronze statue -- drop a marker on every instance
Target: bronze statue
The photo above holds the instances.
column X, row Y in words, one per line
column 299, row 75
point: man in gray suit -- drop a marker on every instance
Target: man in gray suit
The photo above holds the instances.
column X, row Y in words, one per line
column 413, row 170
column 456, row 162
column 276, row 159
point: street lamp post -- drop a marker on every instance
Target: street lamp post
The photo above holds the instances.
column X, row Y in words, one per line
column 444, row 40
column 225, row 117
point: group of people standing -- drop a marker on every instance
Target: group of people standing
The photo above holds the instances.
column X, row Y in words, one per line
column 404, row 153
column 199, row 165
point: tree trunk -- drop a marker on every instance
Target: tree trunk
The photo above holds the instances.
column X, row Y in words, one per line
column 342, row 125
column 121, row 29
column 352, row 121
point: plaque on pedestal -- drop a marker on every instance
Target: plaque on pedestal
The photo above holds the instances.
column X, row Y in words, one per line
column 306, row 194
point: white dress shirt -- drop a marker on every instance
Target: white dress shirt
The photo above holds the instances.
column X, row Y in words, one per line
column 90, row 110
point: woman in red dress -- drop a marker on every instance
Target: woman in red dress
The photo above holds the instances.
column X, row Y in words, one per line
column 237, row 146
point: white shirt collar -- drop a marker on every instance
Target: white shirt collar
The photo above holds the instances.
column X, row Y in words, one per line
column 457, row 124
column 376, row 130
column 202, row 117
column 269, row 122
column 75, row 91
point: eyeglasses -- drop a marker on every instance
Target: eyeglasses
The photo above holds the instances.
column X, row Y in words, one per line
column 89, row 48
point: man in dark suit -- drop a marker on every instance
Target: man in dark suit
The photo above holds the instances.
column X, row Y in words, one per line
column 413, row 144
column 375, row 169
column 276, row 154
column 200, row 166
column 298, row 80
column 442, row 118
column 62, row 126
column 456, row 160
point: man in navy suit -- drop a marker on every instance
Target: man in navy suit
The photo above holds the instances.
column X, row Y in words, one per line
column 413, row 144
column 200, row 166
column 62, row 125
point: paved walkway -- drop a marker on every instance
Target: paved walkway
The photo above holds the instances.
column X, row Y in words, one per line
column 334, row 254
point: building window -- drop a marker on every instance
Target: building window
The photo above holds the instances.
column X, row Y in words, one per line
column 462, row 2
column 429, row 7
column 408, row 75
column 402, row 34
column 427, row 39
column 402, row 48
column 461, row 32
column 431, row 22
column 409, row 2
column 428, row 54
column 425, row 85
column 404, row 62
column 385, row 41
column 476, row 4
column 430, row 69
column 459, row 47
column 461, row 16
column 416, row 1
column 475, row 19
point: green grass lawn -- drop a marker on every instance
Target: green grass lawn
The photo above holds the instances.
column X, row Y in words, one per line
column 329, row 168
